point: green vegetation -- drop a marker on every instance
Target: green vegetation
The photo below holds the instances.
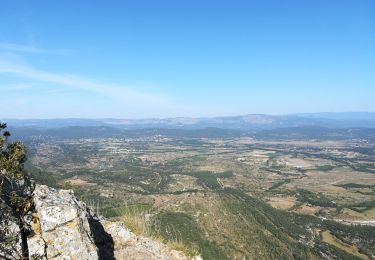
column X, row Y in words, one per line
column 363, row 206
column 121, row 211
column 210, row 179
column 296, row 226
column 355, row 185
column 314, row 199
column 178, row 226
column 325, row 168
column 362, row 167
column 276, row 186
column 42, row 177
column 352, row 250
column 324, row 249
column 15, row 197
column 364, row 236
column 258, row 225
column 364, row 150
column 182, row 175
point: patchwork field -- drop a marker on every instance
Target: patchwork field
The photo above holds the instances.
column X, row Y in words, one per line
column 226, row 197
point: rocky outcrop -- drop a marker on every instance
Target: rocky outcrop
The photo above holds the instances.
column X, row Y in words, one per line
column 64, row 228
column 129, row 246
column 10, row 236
column 60, row 226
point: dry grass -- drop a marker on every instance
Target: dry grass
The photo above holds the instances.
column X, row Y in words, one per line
column 79, row 182
column 282, row 202
column 351, row 215
column 307, row 209
column 181, row 182
column 298, row 162
column 180, row 246
column 351, row 249
column 137, row 223
column 370, row 213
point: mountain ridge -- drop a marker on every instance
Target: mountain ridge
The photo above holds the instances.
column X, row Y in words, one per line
column 244, row 122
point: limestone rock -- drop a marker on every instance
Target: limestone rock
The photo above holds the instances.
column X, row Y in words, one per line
column 10, row 238
column 129, row 246
column 37, row 247
column 63, row 229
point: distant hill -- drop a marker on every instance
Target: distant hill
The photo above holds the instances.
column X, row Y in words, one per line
column 245, row 122
column 77, row 132
column 27, row 134
column 316, row 132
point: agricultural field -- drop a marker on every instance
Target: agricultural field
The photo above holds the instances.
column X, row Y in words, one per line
column 236, row 197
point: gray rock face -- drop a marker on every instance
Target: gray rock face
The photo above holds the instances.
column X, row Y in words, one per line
column 60, row 226
column 64, row 228
column 10, row 238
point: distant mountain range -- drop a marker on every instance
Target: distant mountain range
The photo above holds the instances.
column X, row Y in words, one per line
column 245, row 122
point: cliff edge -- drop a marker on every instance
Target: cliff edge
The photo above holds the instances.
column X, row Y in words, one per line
column 62, row 227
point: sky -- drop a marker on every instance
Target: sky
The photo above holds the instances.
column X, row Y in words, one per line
column 141, row 59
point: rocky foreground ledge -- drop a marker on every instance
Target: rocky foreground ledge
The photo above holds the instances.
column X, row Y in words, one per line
column 64, row 228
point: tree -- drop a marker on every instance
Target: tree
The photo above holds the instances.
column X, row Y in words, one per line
column 15, row 198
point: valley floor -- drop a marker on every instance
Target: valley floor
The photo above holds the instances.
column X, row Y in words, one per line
column 225, row 198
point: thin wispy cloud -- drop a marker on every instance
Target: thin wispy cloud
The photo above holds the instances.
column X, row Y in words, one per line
column 32, row 49
column 16, row 87
column 122, row 93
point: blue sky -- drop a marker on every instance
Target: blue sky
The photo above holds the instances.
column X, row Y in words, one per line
column 135, row 59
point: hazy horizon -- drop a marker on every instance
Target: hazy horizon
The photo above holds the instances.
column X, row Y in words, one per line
column 191, row 117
